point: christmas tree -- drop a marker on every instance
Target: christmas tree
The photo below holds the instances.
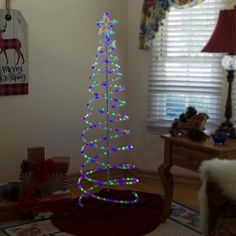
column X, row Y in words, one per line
column 102, row 132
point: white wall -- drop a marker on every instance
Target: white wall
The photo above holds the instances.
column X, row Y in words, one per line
column 149, row 147
column 148, row 152
column 62, row 46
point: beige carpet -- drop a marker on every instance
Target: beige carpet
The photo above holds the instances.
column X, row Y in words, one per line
column 171, row 228
column 183, row 222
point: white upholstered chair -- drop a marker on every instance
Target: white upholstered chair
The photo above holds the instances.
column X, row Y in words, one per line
column 218, row 197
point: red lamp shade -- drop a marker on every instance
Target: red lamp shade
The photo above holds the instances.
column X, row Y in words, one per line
column 223, row 38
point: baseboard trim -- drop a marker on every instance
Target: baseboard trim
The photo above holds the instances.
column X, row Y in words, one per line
column 187, row 180
column 143, row 175
column 149, row 175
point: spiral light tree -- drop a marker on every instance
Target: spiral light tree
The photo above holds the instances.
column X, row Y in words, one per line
column 99, row 137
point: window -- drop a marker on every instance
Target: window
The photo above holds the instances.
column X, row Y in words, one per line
column 180, row 75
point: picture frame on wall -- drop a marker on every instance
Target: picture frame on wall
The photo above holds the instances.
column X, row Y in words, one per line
column 14, row 77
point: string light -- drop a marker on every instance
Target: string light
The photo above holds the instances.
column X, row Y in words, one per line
column 105, row 66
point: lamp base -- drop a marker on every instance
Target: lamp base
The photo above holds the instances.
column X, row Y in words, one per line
column 227, row 127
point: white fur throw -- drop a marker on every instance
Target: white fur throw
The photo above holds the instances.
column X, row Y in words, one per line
column 222, row 172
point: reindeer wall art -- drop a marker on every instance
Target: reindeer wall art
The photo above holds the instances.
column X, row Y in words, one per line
column 6, row 44
column 13, row 54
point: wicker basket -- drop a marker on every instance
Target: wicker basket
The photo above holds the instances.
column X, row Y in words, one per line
column 54, row 182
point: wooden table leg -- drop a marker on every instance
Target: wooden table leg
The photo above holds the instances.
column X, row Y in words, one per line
column 167, row 181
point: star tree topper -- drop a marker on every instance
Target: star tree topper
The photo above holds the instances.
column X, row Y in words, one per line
column 106, row 26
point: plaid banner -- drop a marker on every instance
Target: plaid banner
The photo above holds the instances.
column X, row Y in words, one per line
column 14, row 76
column 13, row 89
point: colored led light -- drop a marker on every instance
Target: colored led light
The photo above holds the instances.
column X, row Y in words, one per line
column 105, row 66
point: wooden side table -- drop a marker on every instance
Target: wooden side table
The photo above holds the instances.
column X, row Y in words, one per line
column 188, row 154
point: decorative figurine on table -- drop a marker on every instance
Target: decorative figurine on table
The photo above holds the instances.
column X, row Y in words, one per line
column 191, row 124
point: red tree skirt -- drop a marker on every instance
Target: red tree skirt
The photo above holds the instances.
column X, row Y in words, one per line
column 101, row 218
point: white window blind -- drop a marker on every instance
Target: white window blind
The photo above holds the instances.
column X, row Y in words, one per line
column 180, row 75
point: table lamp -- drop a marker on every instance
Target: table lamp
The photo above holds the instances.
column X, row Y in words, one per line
column 223, row 40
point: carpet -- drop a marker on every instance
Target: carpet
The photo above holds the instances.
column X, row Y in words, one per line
column 182, row 221
column 127, row 219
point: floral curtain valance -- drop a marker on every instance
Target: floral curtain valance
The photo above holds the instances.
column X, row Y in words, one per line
column 153, row 13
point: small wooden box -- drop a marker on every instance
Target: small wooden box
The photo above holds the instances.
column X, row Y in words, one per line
column 35, row 154
column 59, row 204
column 52, row 183
column 62, row 163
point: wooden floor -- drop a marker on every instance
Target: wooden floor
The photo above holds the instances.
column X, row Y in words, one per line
column 185, row 193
